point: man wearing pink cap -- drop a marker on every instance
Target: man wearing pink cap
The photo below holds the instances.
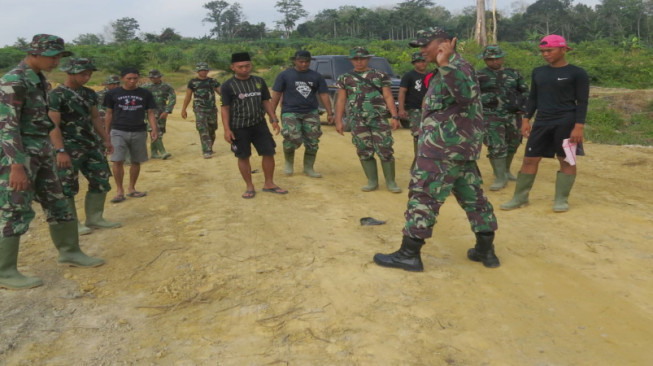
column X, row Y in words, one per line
column 559, row 94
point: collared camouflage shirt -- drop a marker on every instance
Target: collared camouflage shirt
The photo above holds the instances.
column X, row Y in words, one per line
column 365, row 99
column 498, row 88
column 23, row 111
column 452, row 122
column 203, row 93
column 76, row 121
column 164, row 96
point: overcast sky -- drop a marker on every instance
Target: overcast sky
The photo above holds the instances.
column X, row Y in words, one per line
column 70, row 18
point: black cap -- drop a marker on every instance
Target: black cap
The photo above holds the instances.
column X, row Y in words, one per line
column 301, row 55
column 240, row 57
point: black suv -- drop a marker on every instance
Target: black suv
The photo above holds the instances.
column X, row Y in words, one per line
column 332, row 66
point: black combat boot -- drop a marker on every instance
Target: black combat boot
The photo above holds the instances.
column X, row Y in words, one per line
column 484, row 250
column 407, row 257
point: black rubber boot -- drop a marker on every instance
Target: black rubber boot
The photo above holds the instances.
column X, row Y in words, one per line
column 407, row 257
column 484, row 250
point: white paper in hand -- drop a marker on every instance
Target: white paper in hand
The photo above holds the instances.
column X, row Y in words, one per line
column 570, row 151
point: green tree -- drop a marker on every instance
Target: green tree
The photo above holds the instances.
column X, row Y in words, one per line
column 124, row 29
column 89, row 39
column 215, row 8
column 292, row 10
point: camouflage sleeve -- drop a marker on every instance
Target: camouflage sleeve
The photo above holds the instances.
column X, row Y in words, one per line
column 341, row 81
column 521, row 84
column 172, row 100
column 385, row 79
column 463, row 87
column 54, row 101
column 215, row 84
column 11, row 101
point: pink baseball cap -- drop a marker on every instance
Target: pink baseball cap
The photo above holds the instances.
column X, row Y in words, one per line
column 554, row 40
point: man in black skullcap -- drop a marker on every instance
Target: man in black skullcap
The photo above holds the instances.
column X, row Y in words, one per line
column 245, row 101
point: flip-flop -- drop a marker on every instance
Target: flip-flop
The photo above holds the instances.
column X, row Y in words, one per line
column 137, row 194
column 277, row 190
column 249, row 194
column 117, row 199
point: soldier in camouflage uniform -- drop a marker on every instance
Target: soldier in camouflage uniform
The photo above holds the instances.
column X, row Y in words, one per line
column 203, row 89
column 449, row 145
column 165, row 98
column 77, row 125
column 298, row 88
column 501, row 90
column 367, row 92
column 27, row 169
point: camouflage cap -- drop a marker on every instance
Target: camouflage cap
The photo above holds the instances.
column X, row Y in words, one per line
column 425, row 36
column 417, row 56
column 112, row 79
column 492, row 51
column 47, row 45
column 360, row 52
column 154, row 73
column 202, row 66
column 76, row 65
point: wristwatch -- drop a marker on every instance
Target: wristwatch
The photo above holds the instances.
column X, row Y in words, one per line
column 274, row 120
column 61, row 150
column 395, row 117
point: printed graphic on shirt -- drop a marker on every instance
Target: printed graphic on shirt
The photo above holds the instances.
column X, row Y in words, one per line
column 128, row 102
column 418, row 85
column 304, row 88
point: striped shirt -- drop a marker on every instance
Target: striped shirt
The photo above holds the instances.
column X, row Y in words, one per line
column 245, row 100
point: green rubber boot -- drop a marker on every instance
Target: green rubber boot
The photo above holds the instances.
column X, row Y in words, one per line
column 66, row 240
column 289, row 157
column 162, row 150
column 81, row 229
column 154, row 150
column 499, row 168
column 372, row 174
column 522, row 188
column 9, row 276
column 309, row 161
column 94, row 206
column 389, row 175
column 564, row 182
column 509, row 175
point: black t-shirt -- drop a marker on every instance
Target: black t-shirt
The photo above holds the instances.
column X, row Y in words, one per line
column 299, row 90
column 129, row 108
column 245, row 100
column 413, row 81
column 559, row 94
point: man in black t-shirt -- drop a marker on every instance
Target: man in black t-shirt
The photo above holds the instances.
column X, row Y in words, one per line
column 300, row 87
column 559, row 94
column 411, row 94
column 245, row 100
column 127, row 107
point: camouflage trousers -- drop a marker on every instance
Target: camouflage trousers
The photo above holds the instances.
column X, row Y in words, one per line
column 206, row 122
column 16, row 206
column 502, row 135
column 160, row 124
column 301, row 128
column 93, row 166
column 431, row 183
column 415, row 119
column 372, row 135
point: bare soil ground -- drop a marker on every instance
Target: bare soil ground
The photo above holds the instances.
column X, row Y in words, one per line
column 199, row 276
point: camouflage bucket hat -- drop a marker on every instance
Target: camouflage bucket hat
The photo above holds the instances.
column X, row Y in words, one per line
column 78, row 64
column 202, row 66
column 154, row 74
column 359, row 52
column 425, row 36
column 47, row 45
column 417, row 56
column 112, row 79
column 492, row 51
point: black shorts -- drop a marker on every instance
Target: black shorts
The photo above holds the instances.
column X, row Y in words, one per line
column 259, row 135
column 545, row 140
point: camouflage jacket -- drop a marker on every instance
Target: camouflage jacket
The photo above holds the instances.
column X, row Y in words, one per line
column 203, row 93
column 452, row 122
column 76, row 122
column 365, row 100
column 164, row 96
column 100, row 102
column 499, row 89
column 23, row 111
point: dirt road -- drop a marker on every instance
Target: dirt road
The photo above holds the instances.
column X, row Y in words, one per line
column 199, row 276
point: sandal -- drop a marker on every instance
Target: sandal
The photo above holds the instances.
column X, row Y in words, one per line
column 137, row 194
column 249, row 194
column 118, row 198
column 277, row 190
